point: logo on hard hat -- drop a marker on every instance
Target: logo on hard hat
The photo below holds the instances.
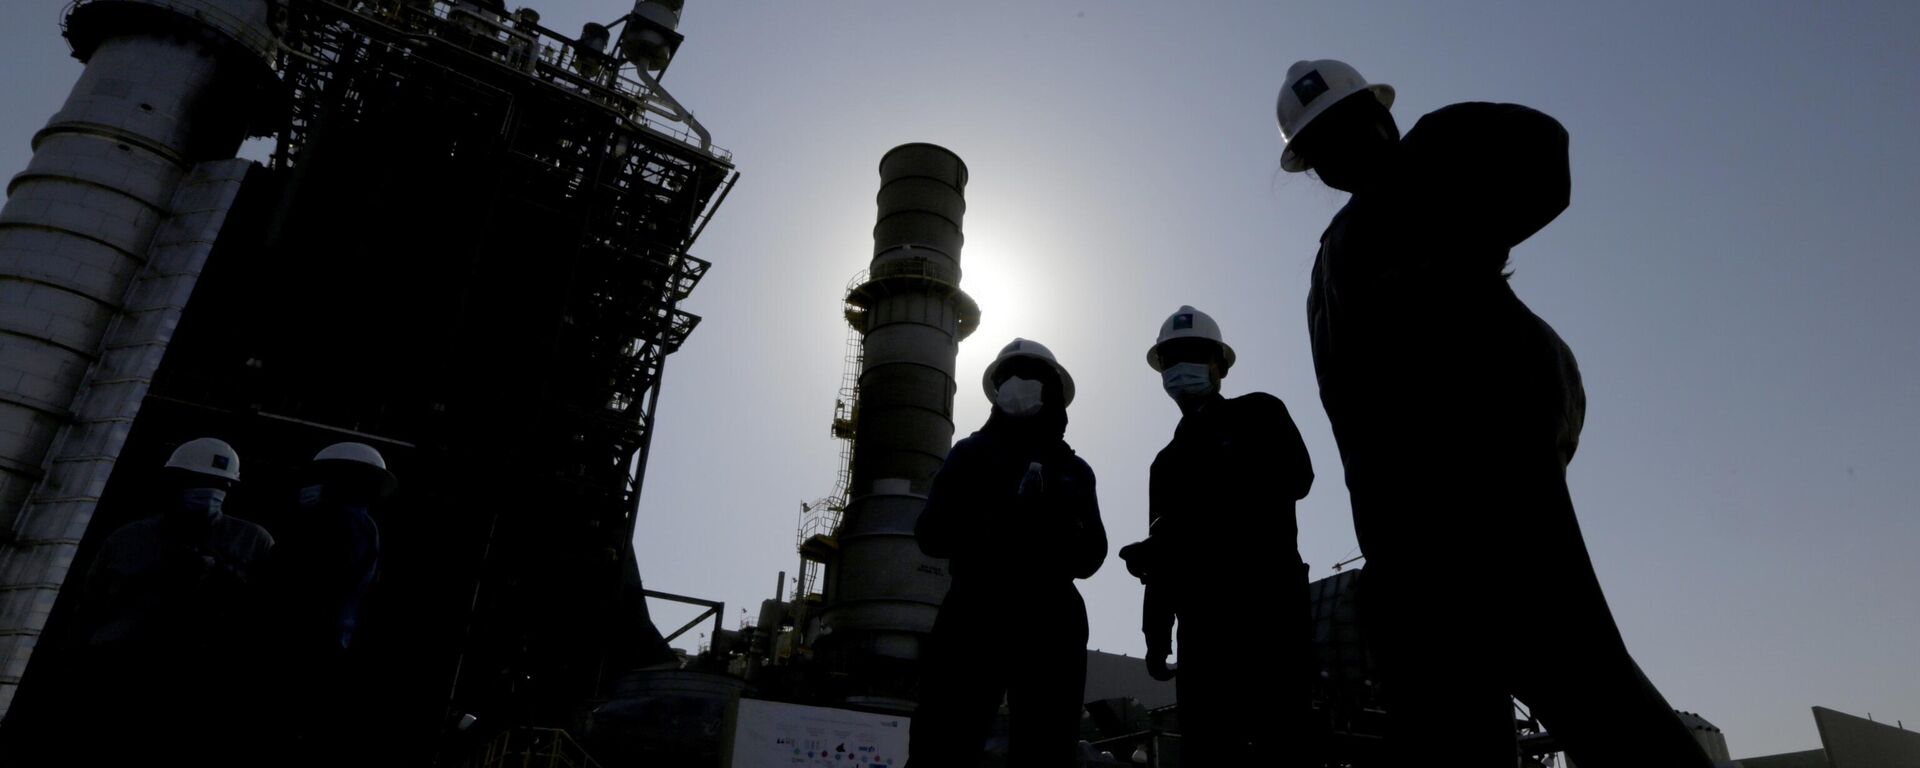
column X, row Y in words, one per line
column 1183, row 321
column 1309, row 87
column 219, row 462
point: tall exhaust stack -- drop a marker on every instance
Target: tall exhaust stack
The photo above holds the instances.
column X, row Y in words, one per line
column 882, row 592
column 101, row 240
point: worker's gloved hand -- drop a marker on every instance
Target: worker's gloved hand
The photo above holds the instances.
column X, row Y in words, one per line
column 186, row 566
column 1140, row 557
column 1157, row 666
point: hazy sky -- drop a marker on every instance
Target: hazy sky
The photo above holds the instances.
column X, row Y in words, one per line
column 1737, row 276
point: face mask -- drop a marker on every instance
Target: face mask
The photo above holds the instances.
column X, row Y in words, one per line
column 310, row 496
column 202, row 502
column 1185, row 381
column 1018, row 397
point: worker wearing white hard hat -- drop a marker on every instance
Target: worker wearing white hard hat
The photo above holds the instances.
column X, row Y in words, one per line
column 171, row 606
column 1220, row 513
column 1456, row 410
column 332, row 547
column 324, row 569
column 187, row 550
column 1314, row 86
column 1014, row 511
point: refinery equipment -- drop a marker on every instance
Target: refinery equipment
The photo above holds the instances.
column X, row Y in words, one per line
column 469, row 249
column 881, row 594
column 101, row 240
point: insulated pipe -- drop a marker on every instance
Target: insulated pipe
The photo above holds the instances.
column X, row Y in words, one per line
column 168, row 84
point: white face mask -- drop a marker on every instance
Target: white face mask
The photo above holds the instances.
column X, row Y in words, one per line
column 199, row 503
column 1019, row 397
column 1185, row 381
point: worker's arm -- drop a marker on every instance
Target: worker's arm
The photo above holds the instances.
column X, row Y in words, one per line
column 1293, row 457
column 942, row 523
column 1093, row 530
column 1156, row 616
column 1089, row 544
column 1279, row 452
column 1156, row 622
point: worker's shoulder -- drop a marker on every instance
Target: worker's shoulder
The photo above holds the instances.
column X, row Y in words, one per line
column 1255, row 404
column 1074, row 464
column 1481, row 110
column 1474, row 119
column 967, row 446
column 136, row 530
column 1079, row 463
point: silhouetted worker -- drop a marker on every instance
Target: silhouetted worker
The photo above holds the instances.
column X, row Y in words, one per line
column 331, row 550
column 171, row 612
column 1456, row 411
column 1014, row 510
column 328, row 556
column 1221, row 527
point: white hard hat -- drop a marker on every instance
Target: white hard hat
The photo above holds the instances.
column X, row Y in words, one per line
column 1188, row 323
column 1311, row 87
column 359, row 453
column 207, row 456
column 1035, row 350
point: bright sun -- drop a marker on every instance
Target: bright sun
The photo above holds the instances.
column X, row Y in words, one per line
column 996, row 279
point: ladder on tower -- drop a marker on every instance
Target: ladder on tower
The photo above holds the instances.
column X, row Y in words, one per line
column 820, row 520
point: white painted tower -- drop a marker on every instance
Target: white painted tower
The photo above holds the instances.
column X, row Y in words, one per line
column 101, row 241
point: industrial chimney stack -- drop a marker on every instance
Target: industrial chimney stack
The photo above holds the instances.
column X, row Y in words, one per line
column 882, row 592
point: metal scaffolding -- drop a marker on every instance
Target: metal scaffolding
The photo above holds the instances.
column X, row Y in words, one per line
column 621, row 179
column 581, row 135
column 470, row 248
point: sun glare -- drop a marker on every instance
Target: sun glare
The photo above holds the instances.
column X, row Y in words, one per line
column 1000, row 280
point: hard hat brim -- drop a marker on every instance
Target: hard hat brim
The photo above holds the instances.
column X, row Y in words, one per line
column 388, row 481
column 1292, row 162
column 1153, row 354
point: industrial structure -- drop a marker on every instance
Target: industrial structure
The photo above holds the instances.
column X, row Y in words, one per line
column 881, row 593
column 469, row 249
column 1846, row 741
column 846, row 642
column 101, row 240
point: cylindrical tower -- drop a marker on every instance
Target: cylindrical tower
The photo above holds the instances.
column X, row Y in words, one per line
column 168, row 84
column 882, row 592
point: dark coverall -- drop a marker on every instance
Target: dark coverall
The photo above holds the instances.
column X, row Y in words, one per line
column 172, row 613
column 1223, row 535
column 323, row 569
column 326, row 565
column 1457, row 410
column 1012, row 623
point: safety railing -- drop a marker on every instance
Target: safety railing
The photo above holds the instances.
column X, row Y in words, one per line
column 519, row 43
column 536, row 748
